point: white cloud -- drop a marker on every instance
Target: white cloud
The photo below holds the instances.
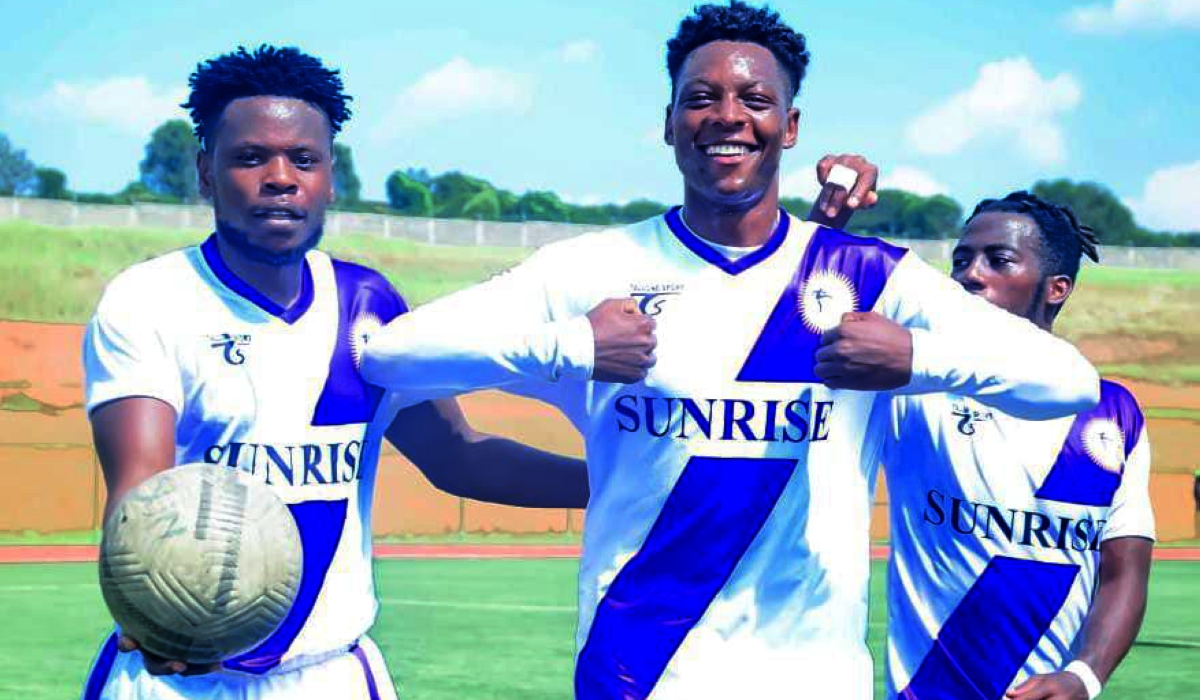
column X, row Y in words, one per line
column 1009, row 99
column 1127, row 15
column 455, row 89
column 579, row 51
column 800, row 183
column 913, row 180
column 1168, row 201
column 129, row 103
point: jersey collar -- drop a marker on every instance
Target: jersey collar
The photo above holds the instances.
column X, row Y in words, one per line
column 290, row 315
column 700, row 247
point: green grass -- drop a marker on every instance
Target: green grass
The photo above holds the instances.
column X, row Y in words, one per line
column 496, row 630
column 1168, row 374
column 55, row 274
column 1191, row 414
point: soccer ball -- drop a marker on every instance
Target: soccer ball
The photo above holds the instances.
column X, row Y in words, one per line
column 200, row 563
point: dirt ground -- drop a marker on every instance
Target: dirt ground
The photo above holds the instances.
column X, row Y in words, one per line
column 49, row 479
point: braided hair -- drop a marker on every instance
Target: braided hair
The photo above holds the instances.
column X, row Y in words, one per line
column 268, row 70
column 739, row 22
column 1064, row 240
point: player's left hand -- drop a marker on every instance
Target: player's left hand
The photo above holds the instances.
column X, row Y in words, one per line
column 836, row 204
column 867, row 352
column 1050, row 686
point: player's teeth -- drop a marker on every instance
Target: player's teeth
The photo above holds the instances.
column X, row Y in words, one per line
column 726, row 149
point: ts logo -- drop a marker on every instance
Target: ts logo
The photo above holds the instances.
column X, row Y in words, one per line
column 650, row 303
column 232, row 344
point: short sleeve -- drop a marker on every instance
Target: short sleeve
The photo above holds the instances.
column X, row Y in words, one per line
column 1131, row 514
column 125, row 353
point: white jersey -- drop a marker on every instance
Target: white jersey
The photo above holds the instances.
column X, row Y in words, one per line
column 725, row 553
column 996, row 530
column 270, row 391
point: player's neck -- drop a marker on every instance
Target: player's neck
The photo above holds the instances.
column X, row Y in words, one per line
column 737, row 226
column 279, row 283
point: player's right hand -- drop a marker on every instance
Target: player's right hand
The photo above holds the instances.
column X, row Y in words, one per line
column 624, row 339
column 158, row 666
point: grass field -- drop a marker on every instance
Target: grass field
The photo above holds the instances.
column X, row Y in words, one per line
column 496, row 630
column 56, row 274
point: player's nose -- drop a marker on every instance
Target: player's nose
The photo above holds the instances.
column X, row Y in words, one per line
column 279, row 177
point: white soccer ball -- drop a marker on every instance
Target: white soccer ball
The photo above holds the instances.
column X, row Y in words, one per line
column 200, row 563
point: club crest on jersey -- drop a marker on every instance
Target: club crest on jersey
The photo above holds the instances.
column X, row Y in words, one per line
column 824, row 297
column 650, row 297
column 969, row 418
column 361, row 330
column 232, row 343
column 1105, row 443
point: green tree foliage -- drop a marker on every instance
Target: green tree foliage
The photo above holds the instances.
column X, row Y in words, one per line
column 408, row 196
column 538, row 205
column 1096, row 206
column 483, row 205
column 345, row 181
column 16, row 170
column 51, row 184
column 169, row 166
column 796, row 206
column 932, row 217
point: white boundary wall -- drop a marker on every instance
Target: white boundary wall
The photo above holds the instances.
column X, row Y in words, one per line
column 458, row 232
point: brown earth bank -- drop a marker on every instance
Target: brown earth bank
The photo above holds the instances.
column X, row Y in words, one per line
column 1113, row 349
column 49, row 480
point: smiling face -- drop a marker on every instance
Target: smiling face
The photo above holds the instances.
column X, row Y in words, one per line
column 729, row 121
column 999, row 259
column 269, row 174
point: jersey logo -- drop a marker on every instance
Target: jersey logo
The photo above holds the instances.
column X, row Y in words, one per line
column 824, row 298
column 650, row 297
column 232, row 344
column 1105, row 444
column 968, row 418
column 366, row 325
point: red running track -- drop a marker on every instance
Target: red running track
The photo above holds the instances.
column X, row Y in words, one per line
column 47, row 554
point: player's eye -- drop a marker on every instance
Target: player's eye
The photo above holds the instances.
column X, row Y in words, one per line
column 698, row 99
column 960, row 263
column 305, row 160
column 247, row 158
column 758, row 101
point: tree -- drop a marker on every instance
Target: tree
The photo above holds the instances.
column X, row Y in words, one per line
column 16, row 170
column 886, row 218
column 932, row 217
column 542, row 206
column 408, row 196
column 483, row 205
column 51, row 184
column 169, row 167
column 1096, row 206
column 345, row 181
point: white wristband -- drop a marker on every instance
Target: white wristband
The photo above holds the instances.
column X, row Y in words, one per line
column 1087, row 675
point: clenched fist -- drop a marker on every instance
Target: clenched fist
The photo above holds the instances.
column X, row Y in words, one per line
column 624, row 340
column 867, row 352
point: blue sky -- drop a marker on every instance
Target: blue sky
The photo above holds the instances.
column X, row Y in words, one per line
column 973, row 98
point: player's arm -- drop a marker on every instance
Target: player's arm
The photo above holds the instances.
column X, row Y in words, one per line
column 929, row 335
column 459, row 460
column 847, row 185
column 501, row 332
column 1120, row 601
column 133, row 391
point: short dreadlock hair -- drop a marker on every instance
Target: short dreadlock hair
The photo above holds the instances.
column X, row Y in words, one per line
column 268, row 70
column 1064, row 240
column 738, row 21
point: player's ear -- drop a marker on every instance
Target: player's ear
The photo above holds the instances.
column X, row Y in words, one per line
column 793, row 127
column 668, row 132
column 1058, row 288
column 204, row 176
